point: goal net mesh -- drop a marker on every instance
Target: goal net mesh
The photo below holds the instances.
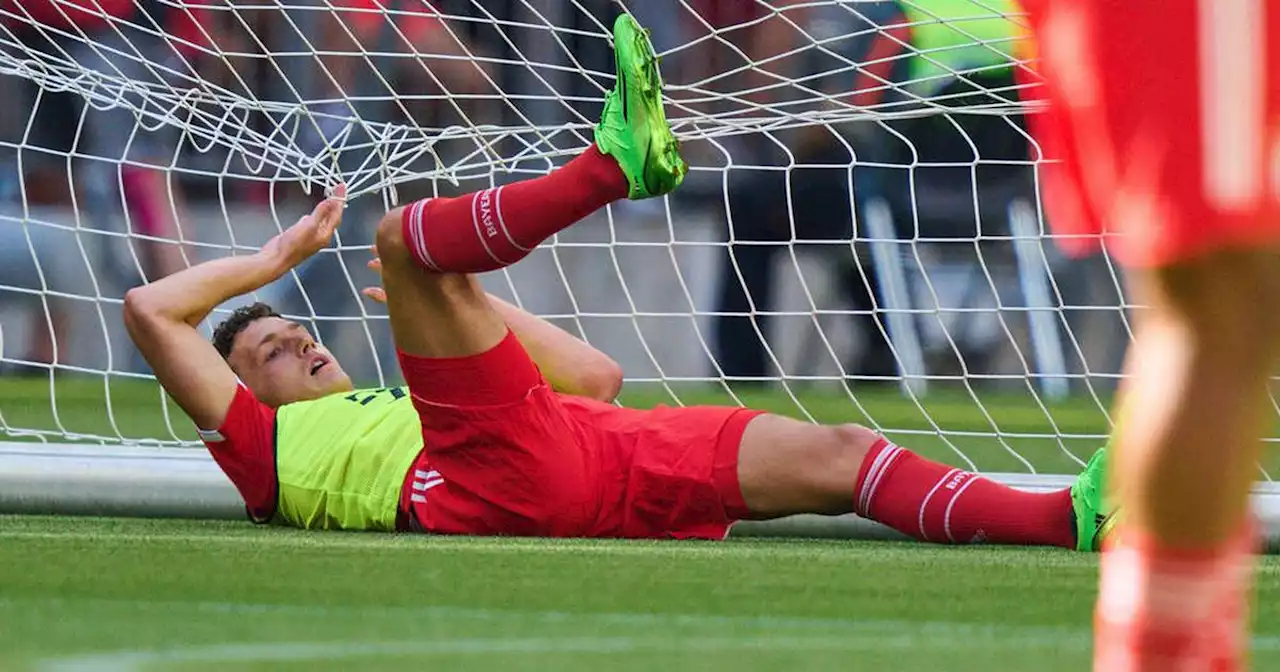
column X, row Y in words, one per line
column 860, row 238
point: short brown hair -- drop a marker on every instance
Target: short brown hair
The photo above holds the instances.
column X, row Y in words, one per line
column 224, row 336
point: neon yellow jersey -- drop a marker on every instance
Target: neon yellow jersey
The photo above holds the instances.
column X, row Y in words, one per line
column 341, row 460
column 953, row 36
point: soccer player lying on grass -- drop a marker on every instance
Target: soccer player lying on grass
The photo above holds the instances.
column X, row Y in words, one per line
column 506, row 426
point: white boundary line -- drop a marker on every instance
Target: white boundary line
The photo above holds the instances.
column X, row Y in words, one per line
column 752, row 632
column 808, row 624
column 869, row 636
column 877, row 638
column 419, row 543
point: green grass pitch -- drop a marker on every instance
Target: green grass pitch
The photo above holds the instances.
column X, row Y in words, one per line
column 124, row 595
column 101, row 594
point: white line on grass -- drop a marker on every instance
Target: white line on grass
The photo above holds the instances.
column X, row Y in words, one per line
column 876, row 638
column 841, row 626
column 419, row 543
column 428, row 613
column 842, row 634
column 424, row 542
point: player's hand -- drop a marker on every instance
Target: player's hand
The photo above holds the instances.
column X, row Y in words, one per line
column 311, row 234
column 376, row 293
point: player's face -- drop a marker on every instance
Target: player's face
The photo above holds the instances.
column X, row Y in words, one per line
column 282, row 364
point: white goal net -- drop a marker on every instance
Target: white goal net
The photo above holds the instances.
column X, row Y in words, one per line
column 860, row 238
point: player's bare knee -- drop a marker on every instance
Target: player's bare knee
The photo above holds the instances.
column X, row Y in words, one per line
column 851, row 444
column 833, row 460
column 828, row 468
column 855, row 437
column 390, row 238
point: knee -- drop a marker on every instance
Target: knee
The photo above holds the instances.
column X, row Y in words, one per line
column 850, row 445
column 390, row 242
column 787, row 466
column 831, row 466
column 837, row 454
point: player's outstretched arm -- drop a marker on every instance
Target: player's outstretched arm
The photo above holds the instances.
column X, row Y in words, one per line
column 162, row 316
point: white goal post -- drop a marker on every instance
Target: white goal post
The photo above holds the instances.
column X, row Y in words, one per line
column 860, row 238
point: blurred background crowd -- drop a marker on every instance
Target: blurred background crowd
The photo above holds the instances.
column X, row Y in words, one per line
column 906, row 241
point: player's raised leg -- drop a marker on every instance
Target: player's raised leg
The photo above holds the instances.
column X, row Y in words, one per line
column 427, row 247
column 786, row 466
column 635, row 155
column 491, row 424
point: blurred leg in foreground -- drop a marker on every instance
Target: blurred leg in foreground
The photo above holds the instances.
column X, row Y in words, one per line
column 1164, row 132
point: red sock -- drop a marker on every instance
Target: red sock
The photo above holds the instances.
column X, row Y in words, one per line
column 933, row 502
column 494, row 228
column 1172, row 610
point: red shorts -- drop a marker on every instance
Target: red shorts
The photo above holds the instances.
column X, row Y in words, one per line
column 1167, row 113
column 505, row 455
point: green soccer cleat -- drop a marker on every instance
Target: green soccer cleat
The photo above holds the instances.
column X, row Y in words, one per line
column 633, row 128
column 1095, row 515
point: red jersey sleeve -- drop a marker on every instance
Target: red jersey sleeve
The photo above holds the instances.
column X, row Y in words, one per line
column 244, row 447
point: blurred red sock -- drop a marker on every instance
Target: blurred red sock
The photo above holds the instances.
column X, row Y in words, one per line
column 933, row 502
column 1167, row 610
column 494, row 228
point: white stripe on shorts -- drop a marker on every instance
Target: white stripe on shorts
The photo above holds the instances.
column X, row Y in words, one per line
column 1233, row 76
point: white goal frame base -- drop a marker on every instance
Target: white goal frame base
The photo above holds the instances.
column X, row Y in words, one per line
column 140, row 482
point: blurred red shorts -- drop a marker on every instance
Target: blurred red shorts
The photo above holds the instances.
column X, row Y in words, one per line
column 1167, row 114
